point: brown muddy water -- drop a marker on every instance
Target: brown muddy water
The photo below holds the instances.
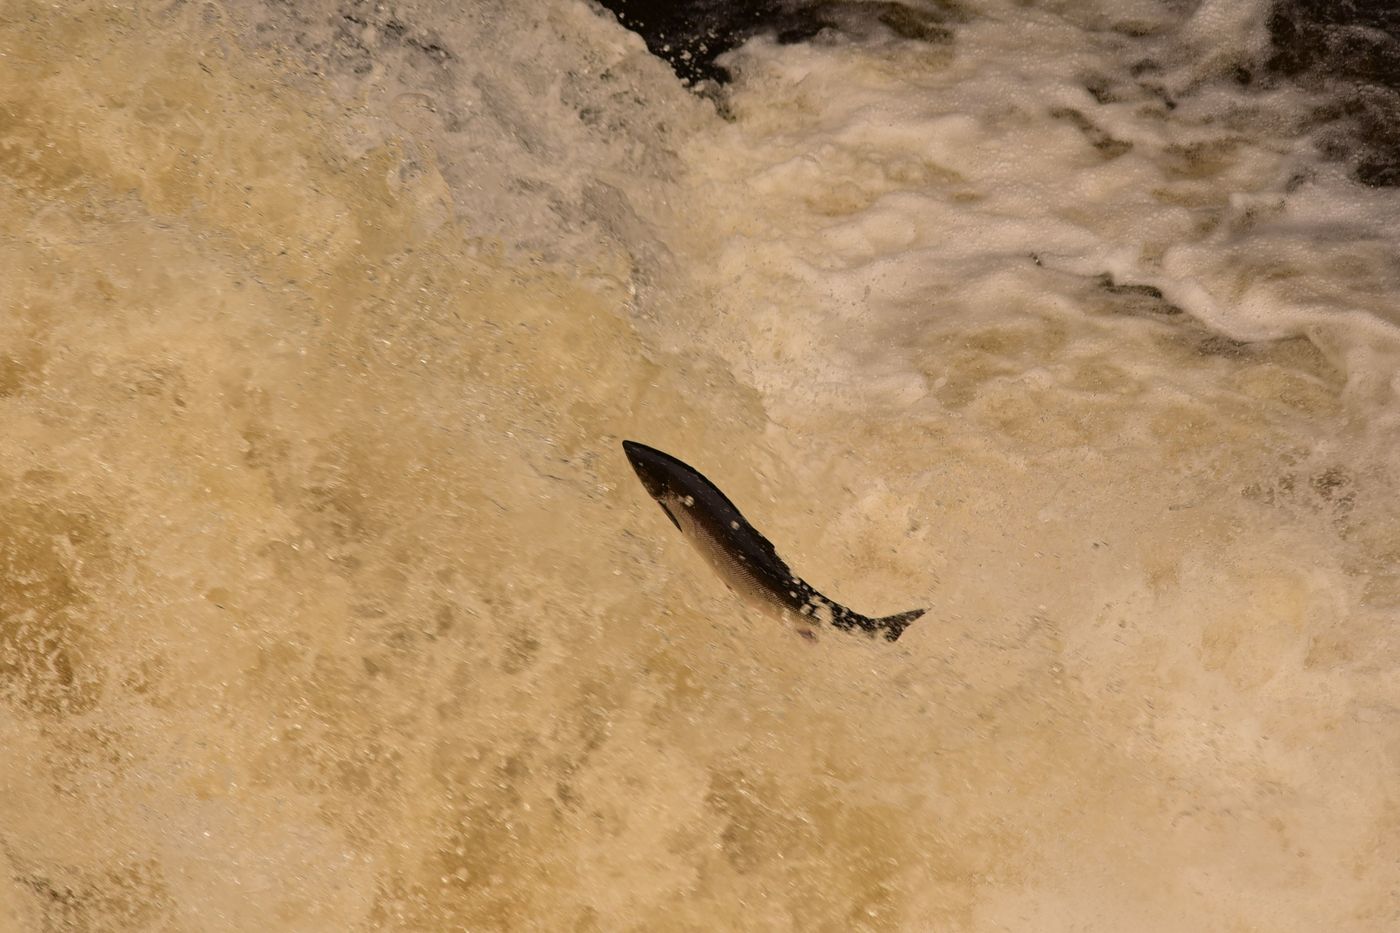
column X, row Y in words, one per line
column 328, row 600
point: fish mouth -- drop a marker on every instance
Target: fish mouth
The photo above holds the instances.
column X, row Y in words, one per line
column 640, row 454
column 650, row 467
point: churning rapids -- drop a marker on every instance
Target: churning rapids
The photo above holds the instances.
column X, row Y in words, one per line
column 329, row 602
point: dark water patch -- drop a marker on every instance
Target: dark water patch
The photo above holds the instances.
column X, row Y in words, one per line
column 690, row 34
column 1137, row 300
column 1097, row 137
column 46, row 556
column 1329, row 490
column 1355, row 38
column 131, row 896
column 1101, row 88
column 1219, row 345
column 1353, row 48
column 364, row 30
column 1184, row 331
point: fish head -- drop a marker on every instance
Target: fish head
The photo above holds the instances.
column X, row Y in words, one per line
column 656, row 470
column 664, row 478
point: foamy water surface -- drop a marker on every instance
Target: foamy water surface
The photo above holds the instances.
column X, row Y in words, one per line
column 328, row 600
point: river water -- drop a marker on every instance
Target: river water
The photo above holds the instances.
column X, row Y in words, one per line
column 328, row 600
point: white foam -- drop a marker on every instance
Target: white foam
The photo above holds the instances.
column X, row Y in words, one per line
column 884, row 175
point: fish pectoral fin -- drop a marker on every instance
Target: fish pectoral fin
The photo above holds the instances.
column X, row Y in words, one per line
column 665, row 508
column 894, row 626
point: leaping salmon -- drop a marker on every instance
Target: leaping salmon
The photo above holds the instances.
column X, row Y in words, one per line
column 744, row 559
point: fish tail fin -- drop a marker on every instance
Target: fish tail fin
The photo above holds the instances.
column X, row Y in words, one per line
column 894, row 626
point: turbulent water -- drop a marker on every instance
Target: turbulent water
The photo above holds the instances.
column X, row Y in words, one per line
column 328, row 600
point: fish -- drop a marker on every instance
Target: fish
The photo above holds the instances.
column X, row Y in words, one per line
column 742, row 557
